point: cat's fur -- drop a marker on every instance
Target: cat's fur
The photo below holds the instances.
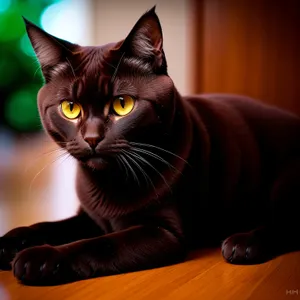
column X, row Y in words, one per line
column 175, row 174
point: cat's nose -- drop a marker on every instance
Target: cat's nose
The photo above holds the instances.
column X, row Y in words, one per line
column 93, row 131
column 93, row 141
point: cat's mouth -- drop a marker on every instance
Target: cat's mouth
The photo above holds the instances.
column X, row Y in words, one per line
column 97, row 162
column 100, row 161
column 102, row 158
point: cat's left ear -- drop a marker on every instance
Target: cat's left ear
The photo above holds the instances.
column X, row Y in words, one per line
column 145, row 41
column 50, row 50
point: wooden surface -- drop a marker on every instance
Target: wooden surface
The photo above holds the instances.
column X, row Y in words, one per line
column 203, row 276
column 248, row 47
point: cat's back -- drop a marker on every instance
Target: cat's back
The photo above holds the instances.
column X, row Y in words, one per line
column 265, row 121
column 274, row 132
column 249, row 108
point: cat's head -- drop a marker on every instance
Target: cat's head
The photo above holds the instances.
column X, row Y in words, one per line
column 98, row 101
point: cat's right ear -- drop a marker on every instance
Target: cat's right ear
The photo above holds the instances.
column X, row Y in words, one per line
column 50, row 50
column 145, row 41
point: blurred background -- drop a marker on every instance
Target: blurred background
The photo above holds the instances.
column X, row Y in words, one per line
column 248, row 47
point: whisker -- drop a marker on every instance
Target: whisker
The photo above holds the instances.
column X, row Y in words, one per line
column 159, row 148
column 129, row 167
column 68, row 156
column 137, row 165
column 122, row 163
column 43, row 156
column 159, row 158
column 146, row 176
column 150, row 165
column 51, row 151
column 46, row 166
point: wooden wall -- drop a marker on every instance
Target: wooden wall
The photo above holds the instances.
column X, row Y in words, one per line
column 248, row 47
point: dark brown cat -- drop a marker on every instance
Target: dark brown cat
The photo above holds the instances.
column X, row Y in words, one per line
column 158, row 174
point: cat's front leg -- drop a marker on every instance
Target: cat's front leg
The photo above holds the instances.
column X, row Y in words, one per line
column 137, row 248
column 53, row 233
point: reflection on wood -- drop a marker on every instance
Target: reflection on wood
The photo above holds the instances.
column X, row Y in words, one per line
column 204, row 276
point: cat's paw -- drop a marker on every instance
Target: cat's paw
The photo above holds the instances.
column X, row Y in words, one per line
column 48, row 265
column 15, row 241
column 8, row 250
column 245, row 248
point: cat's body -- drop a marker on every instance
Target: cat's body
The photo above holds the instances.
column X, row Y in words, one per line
column 236, row 149
column 158, row 174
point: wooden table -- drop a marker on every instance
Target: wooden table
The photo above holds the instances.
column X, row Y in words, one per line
column 204, row 276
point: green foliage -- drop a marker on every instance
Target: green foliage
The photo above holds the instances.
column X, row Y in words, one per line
column 20, row 77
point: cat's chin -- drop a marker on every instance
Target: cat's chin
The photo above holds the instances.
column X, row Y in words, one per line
column 96, row 163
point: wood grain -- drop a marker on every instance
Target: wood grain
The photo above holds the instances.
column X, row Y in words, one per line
column 204, row 276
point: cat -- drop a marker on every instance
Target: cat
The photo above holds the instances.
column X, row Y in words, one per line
column 158, row 174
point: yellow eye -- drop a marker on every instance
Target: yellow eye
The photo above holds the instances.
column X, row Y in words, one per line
column 123, row 105
column 71, row 109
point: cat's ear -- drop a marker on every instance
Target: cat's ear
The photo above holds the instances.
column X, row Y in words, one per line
column 50, row 50
column 145, row 40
